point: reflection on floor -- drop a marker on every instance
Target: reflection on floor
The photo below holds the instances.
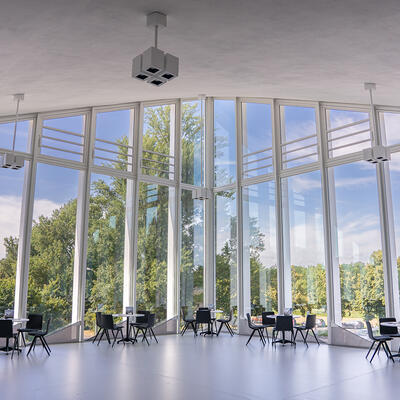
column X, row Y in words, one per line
column 198, row 368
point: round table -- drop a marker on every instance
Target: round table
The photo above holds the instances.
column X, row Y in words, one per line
column 127, row 338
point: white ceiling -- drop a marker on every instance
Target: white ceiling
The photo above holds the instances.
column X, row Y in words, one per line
column 72, row 53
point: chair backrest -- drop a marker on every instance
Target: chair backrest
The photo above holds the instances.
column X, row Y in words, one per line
column 266, row 320
column 9, row 313
column 35, row 321
column 6, row 328
column 151, row 320
column 388, row 330
column 47, row 326
column 249, row 321
column 203, row 316
column 144, row 319
column 203, row 308
column 229, row 319
column 284, row 323
column 311, row 321
column 107, row 321
column 369, row 329
column 98, row 319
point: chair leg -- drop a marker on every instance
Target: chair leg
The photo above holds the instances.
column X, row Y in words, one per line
column 305, row 338
column 23, row 339
column 108, row 336
column 295, row 335
column 377, row 348
column 184, row 328
column 47, row 351
column 194, row 328
column 260, row 333
column 220, row 327
column 230, row 329
column 32, row 345
column 388, row 350
column 101, row 337
column 45, row 343
column 152, row 332
column 136, row 334
column 145, row 337
column 370, row 348
column 316, row 337
column 266, row 331
column 252, row 333
column 97, row 334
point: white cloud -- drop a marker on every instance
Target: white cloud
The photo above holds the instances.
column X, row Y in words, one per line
column 10, row 213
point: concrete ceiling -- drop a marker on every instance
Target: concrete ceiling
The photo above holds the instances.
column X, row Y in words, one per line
column 72, row 53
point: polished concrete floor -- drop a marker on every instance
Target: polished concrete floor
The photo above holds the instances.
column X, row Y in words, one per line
column 198, row 368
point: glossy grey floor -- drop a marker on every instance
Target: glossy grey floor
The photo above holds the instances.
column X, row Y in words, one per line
column 198, row 368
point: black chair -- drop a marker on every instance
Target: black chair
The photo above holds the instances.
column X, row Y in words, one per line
column 268, row 322
column 6, row 331
column 388, row 330
column 42, row 336
column 226, row 321
column 35, row 323
column 139, row 321
column 311, row 322
column 145, row 328
column 188, row 322
column 204, row 317
column 255, row 328
column 107, row 324
column 98, row 324
column 381, row 340
column 284, row 323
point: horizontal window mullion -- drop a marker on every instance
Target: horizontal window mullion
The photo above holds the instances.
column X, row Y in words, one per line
column 62, row 140
column 63, row 131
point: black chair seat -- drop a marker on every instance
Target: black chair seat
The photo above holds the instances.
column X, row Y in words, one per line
column 382, row 338
column 301, row 328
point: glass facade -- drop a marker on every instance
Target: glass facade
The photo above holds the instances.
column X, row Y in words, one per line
column 359, row 249
column 105, row 253
column 259, row 247
column 103, row 214
column 53, row 244
column 303, row 221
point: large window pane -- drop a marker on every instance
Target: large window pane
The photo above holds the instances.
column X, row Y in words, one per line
column 348, row 131
column 303, row 229
column 259, row 246
column 257, row 139
column 158, row 141
column 63, row 137
column 22, row 137
column 52, row 244
column 192, row 143
column 390, row 126
column 192, row 251
column 226, row 249
column 359, row 245
column 105, row 253
column 114, row 139
column 10, row 212
column 394, row 167
column 299, row 136
column 155, row 238
column 224, row 142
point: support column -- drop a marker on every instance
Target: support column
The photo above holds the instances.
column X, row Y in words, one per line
column 334, row 310
column 209, row 209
